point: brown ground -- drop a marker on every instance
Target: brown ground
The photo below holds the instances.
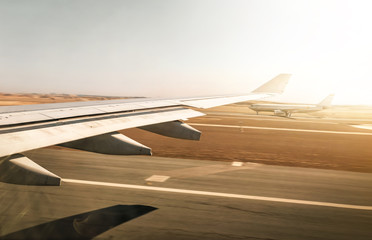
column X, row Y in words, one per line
column 33, row 98
column 317, row 150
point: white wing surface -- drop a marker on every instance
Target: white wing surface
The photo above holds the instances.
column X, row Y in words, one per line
column 93, row 126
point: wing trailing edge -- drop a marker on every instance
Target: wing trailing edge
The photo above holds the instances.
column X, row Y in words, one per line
column 17, row 140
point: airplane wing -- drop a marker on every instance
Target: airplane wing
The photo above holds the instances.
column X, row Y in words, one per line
column 93, row 126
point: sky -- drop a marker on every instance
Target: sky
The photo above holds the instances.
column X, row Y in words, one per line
column 171, row 48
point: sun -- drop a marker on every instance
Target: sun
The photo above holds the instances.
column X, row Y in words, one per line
column 353, row 93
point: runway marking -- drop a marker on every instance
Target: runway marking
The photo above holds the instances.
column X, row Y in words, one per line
column 157, row 178
column 282, row 129
column 218, row 194
column 237, row 164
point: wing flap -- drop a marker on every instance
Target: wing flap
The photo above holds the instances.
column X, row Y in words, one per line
column 19, row 139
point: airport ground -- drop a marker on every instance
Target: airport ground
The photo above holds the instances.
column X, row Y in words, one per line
column 250, row 177
column 141, row 197
column 302, row 141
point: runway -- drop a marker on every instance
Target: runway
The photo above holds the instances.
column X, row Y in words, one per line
column 295, row 122
column 283, row 129
column 296, row 116
column 236, row 196
column 170, row 198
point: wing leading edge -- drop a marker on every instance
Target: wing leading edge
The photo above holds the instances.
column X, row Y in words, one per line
column 25, row 128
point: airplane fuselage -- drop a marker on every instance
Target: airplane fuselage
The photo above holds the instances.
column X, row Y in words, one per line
column 288, row 109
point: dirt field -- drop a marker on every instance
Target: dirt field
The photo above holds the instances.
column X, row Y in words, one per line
column 33, row 98
column 317, row 150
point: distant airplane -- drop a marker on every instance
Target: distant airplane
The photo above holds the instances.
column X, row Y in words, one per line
column 92, row 126
column 287, row 109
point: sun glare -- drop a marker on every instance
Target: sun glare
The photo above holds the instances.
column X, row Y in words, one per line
column 354, row 94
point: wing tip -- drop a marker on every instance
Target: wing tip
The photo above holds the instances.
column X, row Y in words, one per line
column 275, row 85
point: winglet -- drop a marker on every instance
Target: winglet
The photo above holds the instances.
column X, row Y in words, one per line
column 275, row 85
column 327, row 102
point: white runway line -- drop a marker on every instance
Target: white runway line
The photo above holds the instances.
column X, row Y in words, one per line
column 270, row 118
column 217, row 194
column 363, row 126
column 281, row 129
column 206, row 170
column 293, row 117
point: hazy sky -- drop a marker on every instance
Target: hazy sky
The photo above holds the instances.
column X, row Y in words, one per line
column 164, row 48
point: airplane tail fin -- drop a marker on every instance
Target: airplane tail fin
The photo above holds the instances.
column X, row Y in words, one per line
column 327, row 102
column 275, row 85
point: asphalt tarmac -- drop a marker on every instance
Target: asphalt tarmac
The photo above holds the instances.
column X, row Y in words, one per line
column 136, row 197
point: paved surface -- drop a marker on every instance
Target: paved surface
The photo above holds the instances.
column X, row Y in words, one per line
column 185, row 199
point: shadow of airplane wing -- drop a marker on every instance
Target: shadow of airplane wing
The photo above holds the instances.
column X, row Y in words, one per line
column 82, row 226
